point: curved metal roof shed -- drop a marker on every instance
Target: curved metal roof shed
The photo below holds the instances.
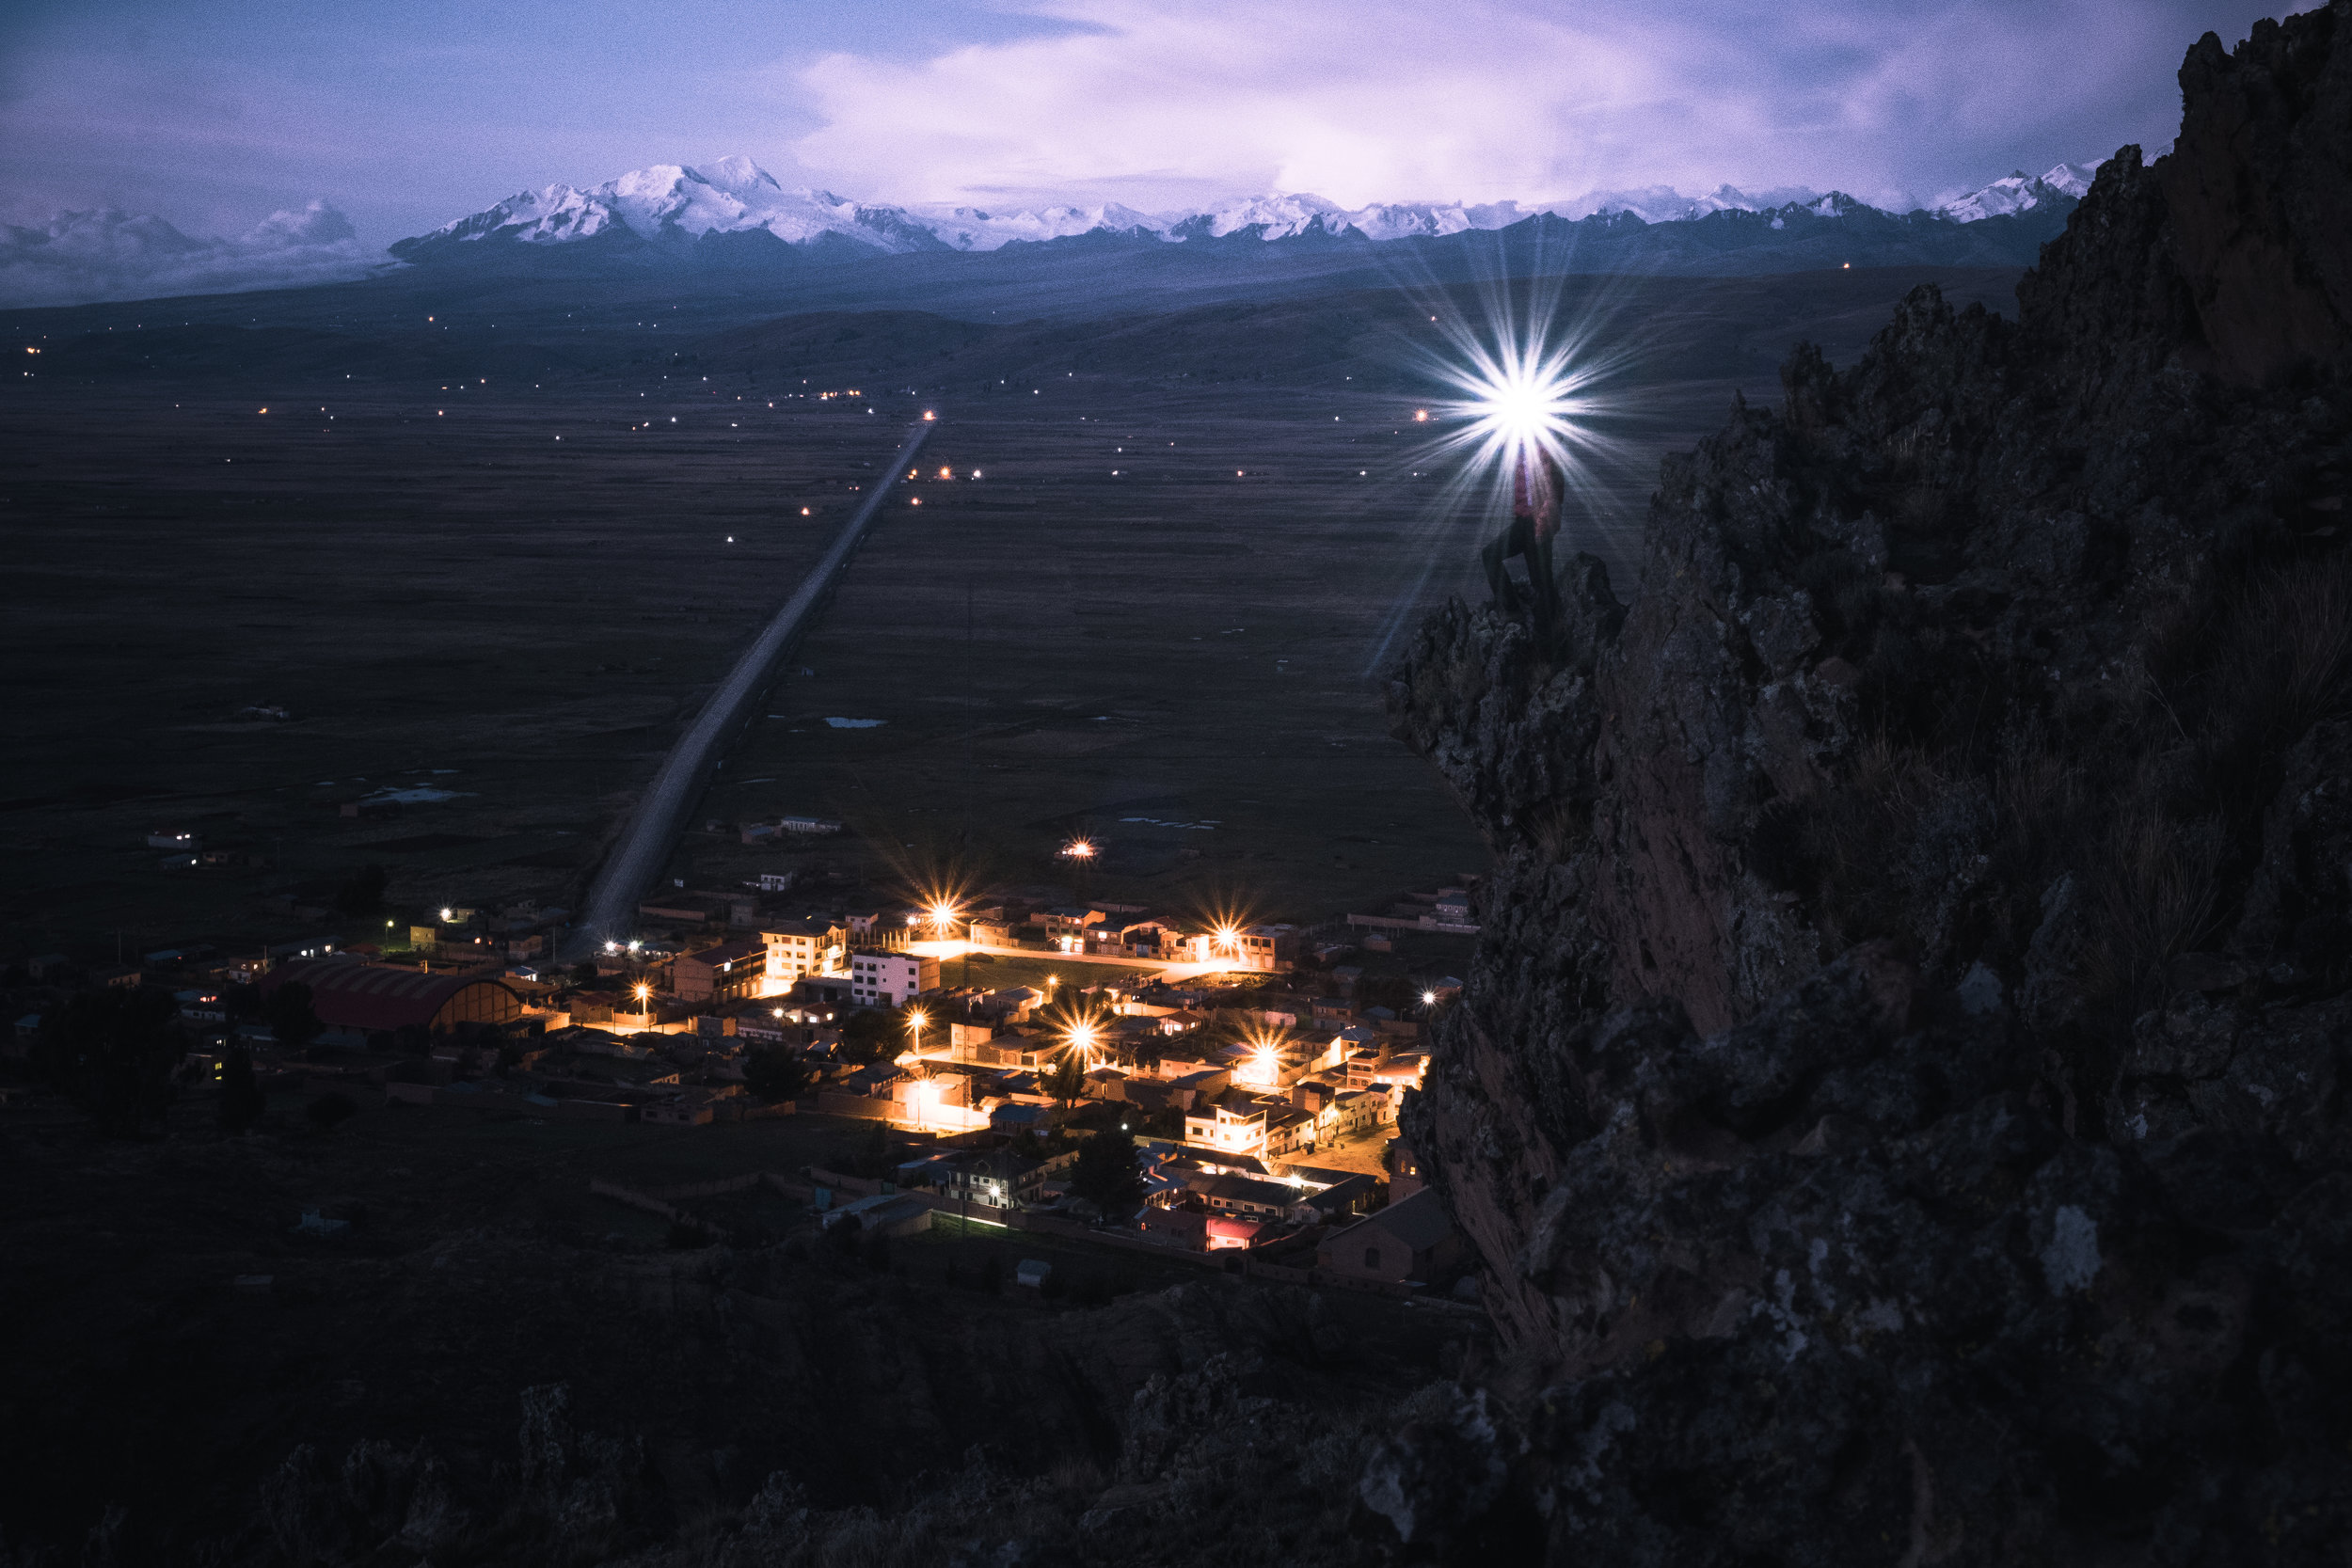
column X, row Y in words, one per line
column 369, row 996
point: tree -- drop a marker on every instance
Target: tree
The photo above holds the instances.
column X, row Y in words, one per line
column 292, row 1023
column 240, row 1096
column 1104, row 1173
column 774, row 1073
column 870, row 1034
column 362, row 892
column 331, row 1108
column 113, row 1052
column 1066, row 1080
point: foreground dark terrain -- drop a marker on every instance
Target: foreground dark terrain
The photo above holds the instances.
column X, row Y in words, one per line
column 194, row 1381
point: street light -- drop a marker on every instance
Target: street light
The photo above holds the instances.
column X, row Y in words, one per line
column 915, row 1020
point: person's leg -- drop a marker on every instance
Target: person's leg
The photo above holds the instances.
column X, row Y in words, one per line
column 1499, row 549
column 1545, row 583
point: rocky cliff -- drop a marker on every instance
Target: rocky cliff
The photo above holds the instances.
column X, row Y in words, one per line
column 1899, row 1096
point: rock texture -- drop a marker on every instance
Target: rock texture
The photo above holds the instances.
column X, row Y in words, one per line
column 1899, row 1099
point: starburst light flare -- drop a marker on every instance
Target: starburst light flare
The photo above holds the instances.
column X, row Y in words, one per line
column 1533, row 354
column 1521, row 395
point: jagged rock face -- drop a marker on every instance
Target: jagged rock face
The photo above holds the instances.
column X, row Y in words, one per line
column 1899, row 1096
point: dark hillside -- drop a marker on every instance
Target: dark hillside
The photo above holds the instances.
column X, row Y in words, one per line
column 1902, row 1097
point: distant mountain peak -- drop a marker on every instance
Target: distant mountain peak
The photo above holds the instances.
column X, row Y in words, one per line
column 2020, row 192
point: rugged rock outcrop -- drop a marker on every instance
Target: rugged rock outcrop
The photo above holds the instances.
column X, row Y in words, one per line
column 1899, row 1099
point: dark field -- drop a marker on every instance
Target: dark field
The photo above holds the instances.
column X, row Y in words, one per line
column 1156, row 616
column 480, row 1264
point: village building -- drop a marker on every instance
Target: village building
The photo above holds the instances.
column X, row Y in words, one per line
column 1240, row 1196
column 1405, row 1173
column 887, row 979
column 727, row 972
column 369, row 997
column 993, row 1179
column 1342, row 1199
column 1267, row 947
column 1179, row 1227
column 799, row 948
column 1411, row 1240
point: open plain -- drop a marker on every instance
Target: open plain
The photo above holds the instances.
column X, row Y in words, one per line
column 1148, row 602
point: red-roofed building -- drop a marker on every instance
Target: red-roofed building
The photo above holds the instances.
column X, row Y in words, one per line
column 386, row 996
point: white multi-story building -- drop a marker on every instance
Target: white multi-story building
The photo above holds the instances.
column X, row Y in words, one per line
column 880, row 979
column 798, row 948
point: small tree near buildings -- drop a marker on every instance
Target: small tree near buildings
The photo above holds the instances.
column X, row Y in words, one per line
column 1104, row 1173
column 292, row 1023
column 1066, row 1080
column 241, row 1097
column 870, row 1035
column 113, row 1050
column 772, row 1073
column 330, row 1109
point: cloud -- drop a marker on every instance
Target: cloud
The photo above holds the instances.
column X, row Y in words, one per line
column 79, row 257
column 1379, row 100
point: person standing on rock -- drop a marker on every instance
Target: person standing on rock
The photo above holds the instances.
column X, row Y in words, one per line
column 1537, row 487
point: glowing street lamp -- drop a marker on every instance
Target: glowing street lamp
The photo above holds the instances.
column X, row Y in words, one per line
column 642, row 990
column 915, row 1020
column 1078, row 849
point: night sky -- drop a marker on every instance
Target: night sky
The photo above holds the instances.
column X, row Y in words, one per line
column 404, row 114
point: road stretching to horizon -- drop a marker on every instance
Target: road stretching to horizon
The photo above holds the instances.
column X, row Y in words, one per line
column 652, row 829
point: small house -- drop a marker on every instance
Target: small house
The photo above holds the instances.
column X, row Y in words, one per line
column 1412, row 1239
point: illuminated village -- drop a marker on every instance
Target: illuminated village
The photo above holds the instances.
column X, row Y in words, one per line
column 1247, row 1072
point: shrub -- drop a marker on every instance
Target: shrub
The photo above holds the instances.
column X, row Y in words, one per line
column 331, row 1108
column 240, row 1096
column 773, row 1074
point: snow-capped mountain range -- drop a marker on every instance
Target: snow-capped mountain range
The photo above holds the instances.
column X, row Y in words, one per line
column 108, row 254
column 671, row 201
